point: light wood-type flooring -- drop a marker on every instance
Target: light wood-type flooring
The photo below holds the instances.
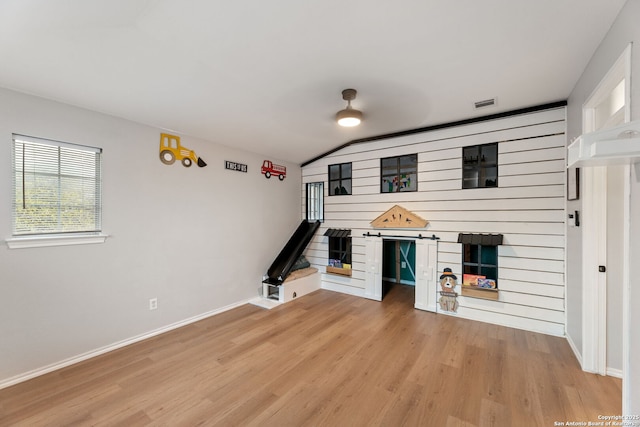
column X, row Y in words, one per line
column 325, row 359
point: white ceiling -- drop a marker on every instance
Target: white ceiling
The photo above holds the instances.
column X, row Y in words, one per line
column 267, row 76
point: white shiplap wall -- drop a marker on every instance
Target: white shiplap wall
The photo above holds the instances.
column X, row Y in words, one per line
column 528, row 208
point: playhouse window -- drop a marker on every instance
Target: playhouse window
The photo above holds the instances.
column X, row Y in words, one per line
column 480, row 255
column 339, row 246
column 480, row 260
column 480, row 166
column 315, row 201
column 340, row 179
column 399, row 174
column 340, row 249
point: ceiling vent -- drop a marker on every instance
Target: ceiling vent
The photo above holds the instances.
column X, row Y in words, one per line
column 485, row 103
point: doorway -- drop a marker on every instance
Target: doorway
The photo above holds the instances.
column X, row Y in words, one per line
column 605, row 231
column 398, row 264
column 426, row 266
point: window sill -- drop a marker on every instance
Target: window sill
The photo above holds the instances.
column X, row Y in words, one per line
column 44, row 241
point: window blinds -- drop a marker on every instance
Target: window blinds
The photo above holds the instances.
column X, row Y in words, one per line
column 56, row 187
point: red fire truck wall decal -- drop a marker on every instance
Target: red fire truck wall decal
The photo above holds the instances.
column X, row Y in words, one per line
column 269, row 168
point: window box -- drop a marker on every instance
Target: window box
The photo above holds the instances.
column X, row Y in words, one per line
column 340, row 271
column 484, row 293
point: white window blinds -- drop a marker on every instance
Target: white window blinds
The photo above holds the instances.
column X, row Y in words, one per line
column 56, row 187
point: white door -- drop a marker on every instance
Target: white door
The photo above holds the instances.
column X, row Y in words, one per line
column 373, row 268
column 426, row 272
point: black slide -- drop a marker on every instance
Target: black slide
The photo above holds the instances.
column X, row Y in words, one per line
column 281, row 267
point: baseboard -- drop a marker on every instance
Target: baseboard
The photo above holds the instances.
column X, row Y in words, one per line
column 617, row 373
column 575, row 350
column 611, row 372
column 349, row 290
column 97, row 352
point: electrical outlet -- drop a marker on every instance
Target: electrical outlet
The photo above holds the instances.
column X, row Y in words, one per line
column 404, row 264
column 153, row 303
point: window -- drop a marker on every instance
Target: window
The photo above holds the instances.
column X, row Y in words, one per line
column 56, row 187
column 480, row 260
column 339, row 246
column 315, row 201
column 399, row 174
column 480, row 166
column 340, row 250
column 340, row 179
column 480, row 255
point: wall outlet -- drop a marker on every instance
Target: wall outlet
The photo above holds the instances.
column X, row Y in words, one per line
column 404, row 264
column 153, row 303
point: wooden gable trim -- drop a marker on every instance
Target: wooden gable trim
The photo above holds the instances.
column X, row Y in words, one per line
column 399, row 217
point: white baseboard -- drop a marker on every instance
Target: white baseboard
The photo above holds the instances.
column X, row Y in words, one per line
column 617, row 373
column 350, row 290
column 97, row 352
column 573, row 346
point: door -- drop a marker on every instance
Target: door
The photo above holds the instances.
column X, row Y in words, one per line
column 373, row 268
column 426, row 272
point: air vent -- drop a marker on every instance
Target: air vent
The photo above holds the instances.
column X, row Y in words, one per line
column 485, row 103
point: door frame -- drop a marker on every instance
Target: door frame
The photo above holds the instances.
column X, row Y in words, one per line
column 399, row 258
column 425, row 270
column 594, row 233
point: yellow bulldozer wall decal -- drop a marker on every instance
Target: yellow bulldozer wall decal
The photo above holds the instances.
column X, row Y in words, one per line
column 171, row 150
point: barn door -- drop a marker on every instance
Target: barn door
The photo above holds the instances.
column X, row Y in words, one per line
column 373, row 268
column 426, row 272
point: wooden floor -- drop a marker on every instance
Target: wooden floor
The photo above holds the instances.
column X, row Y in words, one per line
column 325, row 359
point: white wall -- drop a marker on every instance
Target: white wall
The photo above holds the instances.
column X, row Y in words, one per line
column 527, row 208
column 198, row 239
column 624, row 30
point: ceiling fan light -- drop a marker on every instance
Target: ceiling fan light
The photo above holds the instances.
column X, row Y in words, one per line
column 349, row 117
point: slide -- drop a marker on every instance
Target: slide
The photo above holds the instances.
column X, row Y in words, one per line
column 281, row 267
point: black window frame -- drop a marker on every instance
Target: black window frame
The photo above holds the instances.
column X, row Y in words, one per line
column 397, row 173
column 467, row 265
column 470, row 165
column 342, row 178
column 340, row 249
column 308, row 201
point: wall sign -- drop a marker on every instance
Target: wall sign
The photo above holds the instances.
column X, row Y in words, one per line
column 235, row 166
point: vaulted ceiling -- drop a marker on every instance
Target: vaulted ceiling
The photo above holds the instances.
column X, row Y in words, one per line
column 267, row 76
